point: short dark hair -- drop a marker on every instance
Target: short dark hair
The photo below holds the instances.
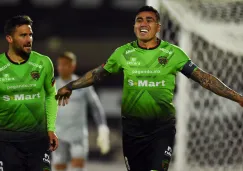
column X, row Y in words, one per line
column 151, row 9
column 16, row 21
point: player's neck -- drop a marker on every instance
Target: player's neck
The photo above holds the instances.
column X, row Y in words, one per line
column 149, row 44
column 15, row 57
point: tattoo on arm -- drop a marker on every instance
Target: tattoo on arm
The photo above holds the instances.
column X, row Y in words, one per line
column 90, row 78
column 213, row 84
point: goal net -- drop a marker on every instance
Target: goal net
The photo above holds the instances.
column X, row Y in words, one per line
column 209, row 128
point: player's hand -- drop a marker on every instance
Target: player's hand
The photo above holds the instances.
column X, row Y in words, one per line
column 63, row 95
column 53, row 140
column 103, row 140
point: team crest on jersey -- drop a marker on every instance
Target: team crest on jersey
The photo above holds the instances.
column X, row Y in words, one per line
column 35, row 75
column 162, row 60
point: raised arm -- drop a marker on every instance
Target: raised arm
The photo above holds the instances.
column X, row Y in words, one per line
column 88, row 79
column 213, row 84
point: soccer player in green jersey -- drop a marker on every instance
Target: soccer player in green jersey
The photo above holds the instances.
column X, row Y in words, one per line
column 27, row 102
column 150, row 66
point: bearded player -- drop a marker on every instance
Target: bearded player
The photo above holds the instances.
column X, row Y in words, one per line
column 27, row 102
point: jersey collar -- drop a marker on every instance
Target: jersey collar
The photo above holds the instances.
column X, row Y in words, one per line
column 16, row 63
column 158, row 40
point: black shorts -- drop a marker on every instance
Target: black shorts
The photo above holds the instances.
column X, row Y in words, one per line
column 31, row 155
column 148, row 153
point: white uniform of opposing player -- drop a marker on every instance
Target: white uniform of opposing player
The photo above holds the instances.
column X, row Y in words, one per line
column 71, row 123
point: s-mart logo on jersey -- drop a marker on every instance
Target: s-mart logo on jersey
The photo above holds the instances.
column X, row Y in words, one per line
column 18, row 97
column 146, row 83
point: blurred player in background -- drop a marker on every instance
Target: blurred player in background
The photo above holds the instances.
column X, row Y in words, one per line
column 150, row 66
column 72, row 128
column 27, row 105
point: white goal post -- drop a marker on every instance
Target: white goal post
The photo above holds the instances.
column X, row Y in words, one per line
column 209, row 128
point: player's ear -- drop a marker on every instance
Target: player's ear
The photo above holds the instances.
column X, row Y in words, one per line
column 9, row 39
column 158, row 27
column 134, row 29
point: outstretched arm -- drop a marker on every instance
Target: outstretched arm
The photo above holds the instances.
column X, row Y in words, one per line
column 213, row 84
column 88, row 79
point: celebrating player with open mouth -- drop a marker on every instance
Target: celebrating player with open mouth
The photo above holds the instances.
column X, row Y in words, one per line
column 150, row 66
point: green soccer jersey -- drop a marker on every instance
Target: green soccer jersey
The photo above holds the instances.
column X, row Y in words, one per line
column 27, row 97
column 149, row 78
